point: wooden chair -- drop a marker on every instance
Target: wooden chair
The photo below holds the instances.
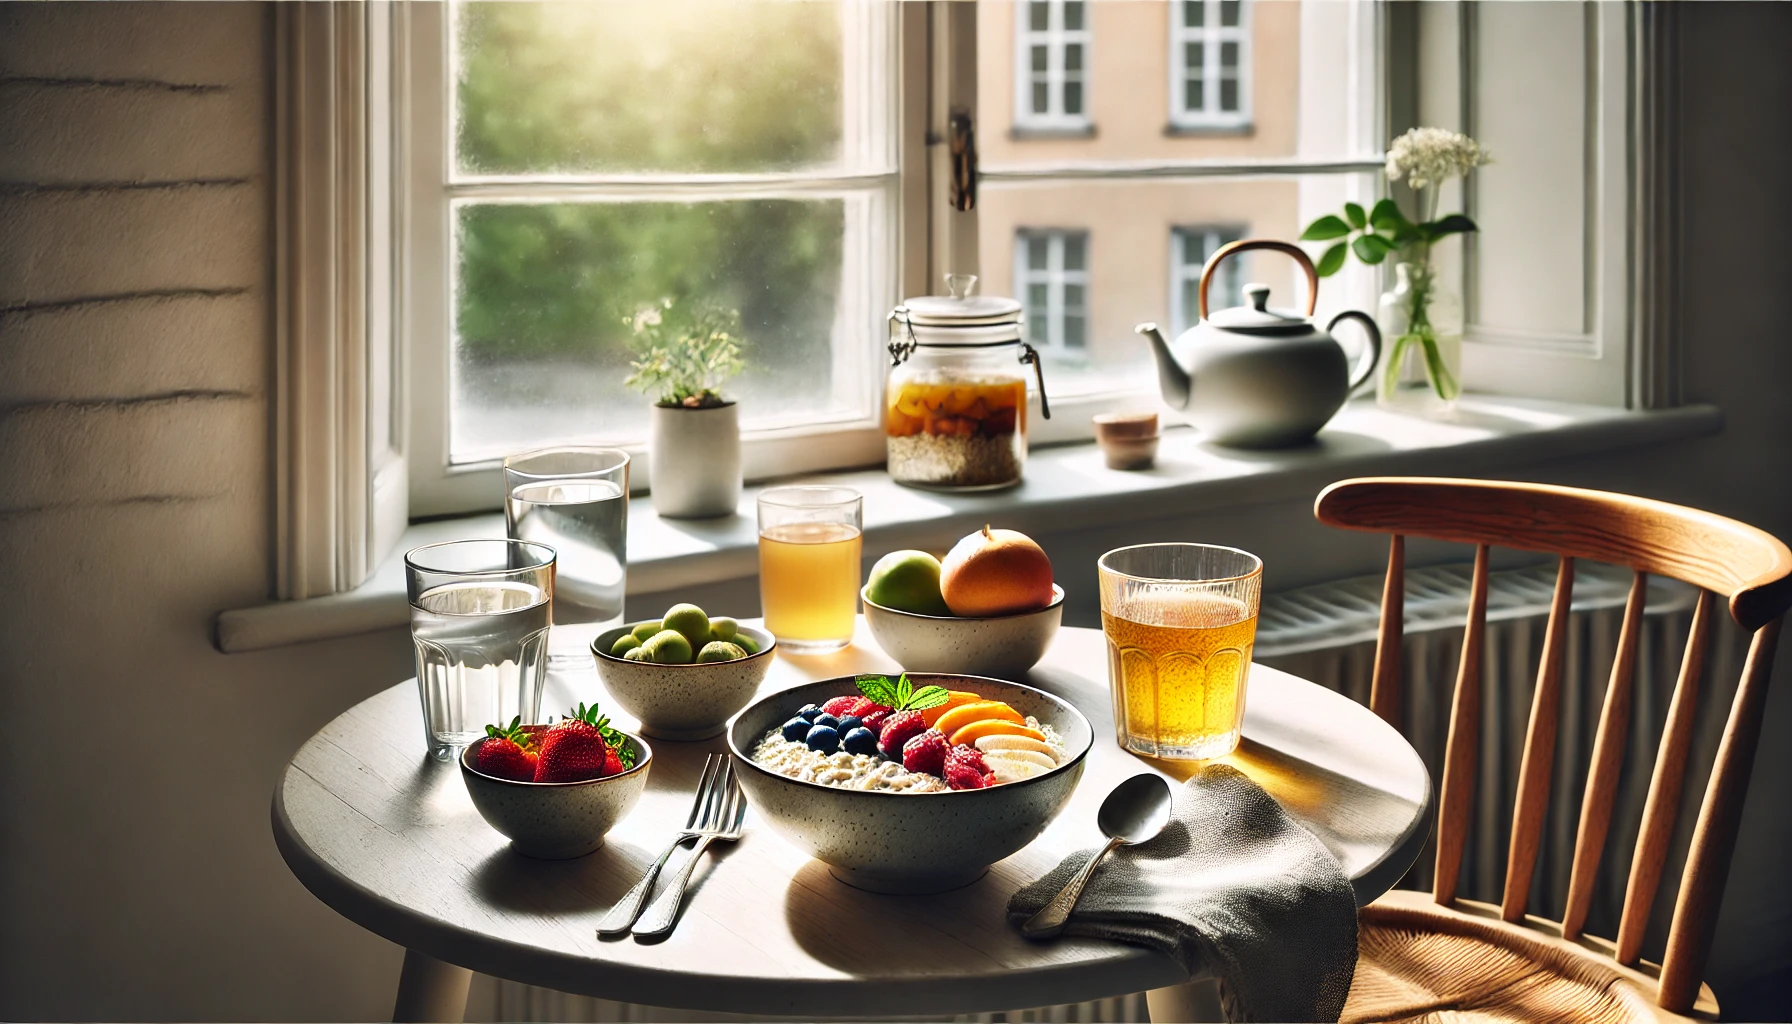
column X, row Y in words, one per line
column 1434, row 956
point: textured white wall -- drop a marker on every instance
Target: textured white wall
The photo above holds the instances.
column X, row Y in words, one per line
column 138, row 873
column 137, row 868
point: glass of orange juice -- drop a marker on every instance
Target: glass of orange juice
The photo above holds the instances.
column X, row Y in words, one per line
column 1180, row 622
column 809, row 548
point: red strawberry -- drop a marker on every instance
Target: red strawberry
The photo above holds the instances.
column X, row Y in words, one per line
column 898, row 729
column 837, row 707
column 926, row 752
column 875, row 719
column 966, row 769
column 504, row 753
column 612, row 762
column 573, row 749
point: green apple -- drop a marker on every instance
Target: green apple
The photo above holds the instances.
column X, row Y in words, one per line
column 624, row 644
column 723, row 628
column 644, row 631
column 908, row 581
column 668, row 647
column 689, row 620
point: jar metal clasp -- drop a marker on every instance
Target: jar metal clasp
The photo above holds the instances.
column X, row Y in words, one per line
column 901, row 349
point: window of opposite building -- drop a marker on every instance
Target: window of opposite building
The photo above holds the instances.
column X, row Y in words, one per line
column 1210, row 63
column 1190, row 249
column 1053, row 269
column 1051, row 62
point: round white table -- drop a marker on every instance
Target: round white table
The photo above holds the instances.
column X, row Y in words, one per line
column 388, row 838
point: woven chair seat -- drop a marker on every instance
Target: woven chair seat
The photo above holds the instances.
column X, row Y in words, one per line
column 1422, row 963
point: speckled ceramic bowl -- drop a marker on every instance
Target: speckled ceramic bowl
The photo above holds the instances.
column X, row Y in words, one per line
column 556, row 820
column 682, row 702
column 1004, row 646
column 909, row 842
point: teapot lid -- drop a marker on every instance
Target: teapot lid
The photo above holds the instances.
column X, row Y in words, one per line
column 961, row 308
column 1258, row 318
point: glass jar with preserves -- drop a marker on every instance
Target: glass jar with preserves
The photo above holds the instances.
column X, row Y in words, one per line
column 955, row 403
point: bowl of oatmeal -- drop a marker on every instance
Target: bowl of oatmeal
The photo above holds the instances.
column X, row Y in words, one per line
column 889, row 822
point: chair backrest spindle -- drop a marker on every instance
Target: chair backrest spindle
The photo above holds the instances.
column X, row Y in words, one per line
column 1457, row 794
column 1384, row 686
column 1538, row 763
column 1662, row 807
column 1750, row 569
column 1608, row 756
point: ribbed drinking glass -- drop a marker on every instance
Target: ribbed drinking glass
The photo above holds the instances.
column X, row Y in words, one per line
column 1180, row 622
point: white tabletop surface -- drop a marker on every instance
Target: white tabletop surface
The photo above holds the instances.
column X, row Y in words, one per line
column 388, row 838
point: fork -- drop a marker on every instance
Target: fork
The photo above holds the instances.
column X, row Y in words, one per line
column 663, row 914
column 706, row 814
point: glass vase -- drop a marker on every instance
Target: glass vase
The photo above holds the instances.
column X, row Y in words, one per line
column 1421, row 339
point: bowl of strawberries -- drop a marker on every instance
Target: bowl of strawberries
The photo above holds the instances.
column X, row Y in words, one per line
column 556, row 790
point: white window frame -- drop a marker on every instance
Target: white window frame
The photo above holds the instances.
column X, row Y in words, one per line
column 440, row 486
column 1056, row 277
column 1182, row 271
column 1211, row 35
column 1055, row 37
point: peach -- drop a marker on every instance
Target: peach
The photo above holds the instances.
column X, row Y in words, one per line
column 996, row 572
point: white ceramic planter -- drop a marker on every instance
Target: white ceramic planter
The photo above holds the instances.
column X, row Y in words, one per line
column 694, row 461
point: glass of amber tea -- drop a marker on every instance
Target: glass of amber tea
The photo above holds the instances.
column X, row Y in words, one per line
column 1180, row 621
column 809, row 549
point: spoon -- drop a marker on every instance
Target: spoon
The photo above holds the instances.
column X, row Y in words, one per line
column 1137, row 810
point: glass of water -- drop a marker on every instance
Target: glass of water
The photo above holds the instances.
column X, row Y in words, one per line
column 480, row 611
column 574, row 500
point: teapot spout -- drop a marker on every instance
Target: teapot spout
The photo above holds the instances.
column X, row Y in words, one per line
column 1173, row 380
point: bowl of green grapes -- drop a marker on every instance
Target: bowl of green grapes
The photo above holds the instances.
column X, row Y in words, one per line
column 684, row 674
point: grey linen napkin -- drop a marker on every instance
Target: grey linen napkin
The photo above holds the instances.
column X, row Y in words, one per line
column 1233, row 888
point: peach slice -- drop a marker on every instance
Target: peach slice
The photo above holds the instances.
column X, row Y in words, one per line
column 958, row 718
column 993, row 727
column 954, row 699
column 1000, row 743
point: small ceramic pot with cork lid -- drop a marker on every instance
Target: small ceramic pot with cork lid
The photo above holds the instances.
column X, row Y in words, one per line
column 955, row 404
column 1128, row 439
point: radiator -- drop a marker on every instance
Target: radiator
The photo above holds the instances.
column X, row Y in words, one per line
column 1327, row 634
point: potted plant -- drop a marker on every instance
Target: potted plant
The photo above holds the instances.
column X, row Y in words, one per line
column 1420, row 317
column 685, row 354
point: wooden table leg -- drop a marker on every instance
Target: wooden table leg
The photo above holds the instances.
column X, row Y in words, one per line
column 430, row 990
column 1197, row 1000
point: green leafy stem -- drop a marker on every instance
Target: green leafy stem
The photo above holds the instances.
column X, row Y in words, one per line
column 1374, row 235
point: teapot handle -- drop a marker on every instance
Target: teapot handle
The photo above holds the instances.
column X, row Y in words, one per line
column 1233, row 248
column 1367, row 365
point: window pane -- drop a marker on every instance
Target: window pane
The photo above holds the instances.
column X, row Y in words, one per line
column 1075, row 332
column 1073, row 296
column 540, row 349
column 1073, row 15
column 1228, row 55
column 637, row 85
column 1039, row 16
column 1073, row 98
column 1229, row 94
column 1040, row 58
column 1191, row 287
column 1192, row 14
column 1042, row 103
column 1038, row 251
column 1073, row 56
column 1229, row 12
column 1075, row 245
column 1194, row 95
column 1194, row 57
column 1038, row 297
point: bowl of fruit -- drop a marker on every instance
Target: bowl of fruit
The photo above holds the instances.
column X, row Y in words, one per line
column 556, row 790
column 909, row 785
column 989, row 608
column 683, row 674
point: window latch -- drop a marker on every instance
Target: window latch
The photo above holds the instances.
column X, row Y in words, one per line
column 964, row 162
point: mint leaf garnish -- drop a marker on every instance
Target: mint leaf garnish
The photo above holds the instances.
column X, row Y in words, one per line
column 878, row 689
column 927, row 697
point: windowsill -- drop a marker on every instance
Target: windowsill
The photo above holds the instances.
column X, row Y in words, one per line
column 1244, row 130
column 1030, row 133
column 1065, row 488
